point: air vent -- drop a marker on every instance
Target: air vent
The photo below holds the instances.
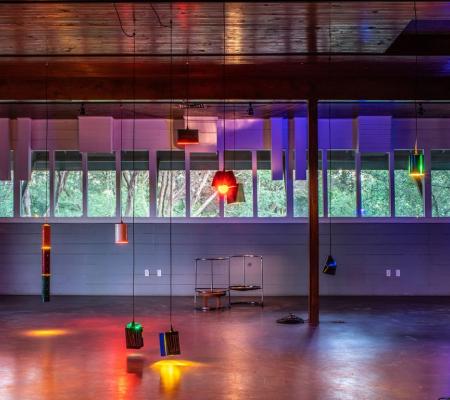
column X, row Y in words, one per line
column 432, row 39
column 195, row 106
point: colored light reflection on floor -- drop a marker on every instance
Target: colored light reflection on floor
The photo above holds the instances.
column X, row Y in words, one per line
column 46, row 332
column 171, row 371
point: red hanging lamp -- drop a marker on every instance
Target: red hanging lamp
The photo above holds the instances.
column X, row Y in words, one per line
column 224, row 181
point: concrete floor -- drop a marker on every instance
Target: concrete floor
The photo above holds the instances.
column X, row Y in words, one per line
column 364, row 348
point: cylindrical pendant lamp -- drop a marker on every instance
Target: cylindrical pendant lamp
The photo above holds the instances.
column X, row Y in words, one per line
column 45, row 260
column 121, row 233
column 416, row 165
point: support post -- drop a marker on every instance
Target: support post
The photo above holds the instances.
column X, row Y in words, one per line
column 313, row 300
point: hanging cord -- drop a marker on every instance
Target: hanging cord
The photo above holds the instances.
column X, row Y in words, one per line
column 121, row 147
column 234, row 137
column 224, row 78
column 171, row 169
column 187, row 86
column 329, row 128
column 47, row 155
column 130, row 35
column 134, row 157
column 416, row 76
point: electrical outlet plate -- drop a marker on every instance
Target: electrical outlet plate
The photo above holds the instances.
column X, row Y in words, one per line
column 388, row 273
column 158, row 273
column 397, row 272
column 146, row 272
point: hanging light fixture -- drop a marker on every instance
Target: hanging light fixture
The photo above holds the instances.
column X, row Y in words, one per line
column 134, row 330
column 169, row 341
column 224, row 181
column 187, row 136
column 236, row 193
column 46, row 228
column 121, row 228
column 330, row 264
column 416, row 161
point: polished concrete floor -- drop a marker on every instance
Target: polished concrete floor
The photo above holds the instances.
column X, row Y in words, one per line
column 364, row 348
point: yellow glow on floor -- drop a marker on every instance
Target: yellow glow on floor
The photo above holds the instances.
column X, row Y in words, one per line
column 46, row 332
column 171, row 371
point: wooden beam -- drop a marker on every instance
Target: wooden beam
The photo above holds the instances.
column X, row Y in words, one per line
column 313, row 183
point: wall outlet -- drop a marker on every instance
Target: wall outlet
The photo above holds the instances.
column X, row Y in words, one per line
column 158, row 273
column 388, row 273
column 146, row 272
column 397, row 272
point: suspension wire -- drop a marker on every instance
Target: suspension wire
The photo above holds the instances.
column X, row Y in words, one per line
column 47, row 154
column 187, row 84
column 416, row 75
column 171, row 170
column 224, row 78
column 121, row 147
column 329, row 166
column 129, row 35
column 134, row 135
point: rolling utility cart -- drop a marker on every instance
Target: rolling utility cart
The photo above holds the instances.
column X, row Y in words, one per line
column 245, row 278
column 212, row 280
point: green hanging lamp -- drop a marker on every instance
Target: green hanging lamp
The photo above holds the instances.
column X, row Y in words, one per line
column 416, row 164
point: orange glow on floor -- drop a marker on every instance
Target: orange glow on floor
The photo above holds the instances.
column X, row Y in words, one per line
column 46, row 332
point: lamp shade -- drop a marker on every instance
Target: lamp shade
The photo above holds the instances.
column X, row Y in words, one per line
column 330, row 266
column 223, row 181
column 133, row 335
column 46, row 237
column 121, row 233
column 236, row 194
column 416, row 165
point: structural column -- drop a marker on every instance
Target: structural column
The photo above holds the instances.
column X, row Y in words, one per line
column 313, row 186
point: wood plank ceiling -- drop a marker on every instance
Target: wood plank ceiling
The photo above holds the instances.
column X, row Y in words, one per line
column 274, row 50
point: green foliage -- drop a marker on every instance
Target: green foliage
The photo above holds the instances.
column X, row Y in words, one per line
column 245, row 178
column 35, row 195
column 375, row 193
column 342, row 193
column 101, row 193
column 68, row 194
column 408, row 200
column 204, row 199
column 6, row 198
column 271, row 195
column 178, row 190
column 441, row 193
column 135, row 185
column 301, row 207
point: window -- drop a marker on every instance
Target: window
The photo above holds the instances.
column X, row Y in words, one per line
column 271, row 194
column 204, row 199
column 408, row 197
column 341, row 183
column 440, row 182
column 68, row 184
column 134, row 187
column 375, row 189
column 35, row 193
column 101, row 185
column 171, row 168
column 301, row 205
column 240, row 162
column 7, row 195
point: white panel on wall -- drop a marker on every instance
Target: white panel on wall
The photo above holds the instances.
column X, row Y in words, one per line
column 374, row 133
column 62, row 134
column 95, row 134
column 5, row 150
column 341, row 132
column 279, row 134
column 245, row 134
column 150, row 134
column 22, row 153
column 301, row 139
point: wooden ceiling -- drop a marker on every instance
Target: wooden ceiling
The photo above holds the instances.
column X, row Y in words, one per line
column 274, row 50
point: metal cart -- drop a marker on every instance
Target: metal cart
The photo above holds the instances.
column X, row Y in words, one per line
column 245, row 285
column 212, row 289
